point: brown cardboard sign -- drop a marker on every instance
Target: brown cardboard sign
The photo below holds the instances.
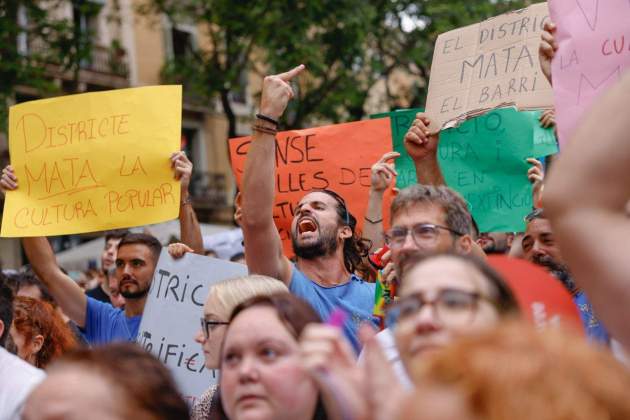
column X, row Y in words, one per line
column 487, row 65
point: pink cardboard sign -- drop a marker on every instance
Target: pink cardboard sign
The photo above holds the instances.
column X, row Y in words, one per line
column 594, row 49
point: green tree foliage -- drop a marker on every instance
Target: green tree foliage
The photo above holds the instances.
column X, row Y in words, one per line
column 347, row 46
column 31, row 40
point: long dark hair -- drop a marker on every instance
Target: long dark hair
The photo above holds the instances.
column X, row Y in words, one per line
column 355, row 248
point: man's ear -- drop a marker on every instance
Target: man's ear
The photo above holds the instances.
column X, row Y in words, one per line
column 510, row 239
column 345, row 232
column 465, row 244
column 1, row 328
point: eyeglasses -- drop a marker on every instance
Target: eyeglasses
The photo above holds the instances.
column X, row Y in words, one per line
column 207, row 326
column 451, row 307
column 422, row 234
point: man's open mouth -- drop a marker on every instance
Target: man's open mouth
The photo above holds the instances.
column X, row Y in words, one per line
column 306, row 225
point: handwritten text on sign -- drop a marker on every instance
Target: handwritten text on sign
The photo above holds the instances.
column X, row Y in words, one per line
column 336, row 157
column 93, row 161
column 488, row 64
column 484, row 160
column 171, row 316
column 401, row 120
column 593, row 51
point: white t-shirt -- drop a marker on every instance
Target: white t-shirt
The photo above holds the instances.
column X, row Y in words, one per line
column 17, row 380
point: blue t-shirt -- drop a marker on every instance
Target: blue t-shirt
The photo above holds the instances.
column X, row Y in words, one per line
column 595, row 330
column 355, row 297
column 104, row 323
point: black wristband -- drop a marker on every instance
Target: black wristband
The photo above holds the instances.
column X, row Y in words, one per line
column 268, row 119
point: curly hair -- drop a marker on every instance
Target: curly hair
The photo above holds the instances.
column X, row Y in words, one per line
column 355, row 248
column 32, row 317
column 519, row 372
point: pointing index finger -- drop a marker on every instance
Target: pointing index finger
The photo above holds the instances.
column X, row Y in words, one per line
column 389, row 155
column 287, row 76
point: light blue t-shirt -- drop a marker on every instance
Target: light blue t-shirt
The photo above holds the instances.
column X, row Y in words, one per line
column 355, row 297
column 105, row 324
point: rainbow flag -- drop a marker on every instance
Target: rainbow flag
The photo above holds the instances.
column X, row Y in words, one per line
column 384, row 295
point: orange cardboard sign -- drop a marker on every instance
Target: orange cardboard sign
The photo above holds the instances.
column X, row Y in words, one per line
column 335, row 157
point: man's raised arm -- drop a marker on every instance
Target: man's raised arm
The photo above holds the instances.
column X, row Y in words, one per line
column 66, row 291
column 585, row 197
column 190, row 231
column 421, row 144
column 263, row 247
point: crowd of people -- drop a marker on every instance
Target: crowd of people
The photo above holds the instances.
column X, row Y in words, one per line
column 298, row 338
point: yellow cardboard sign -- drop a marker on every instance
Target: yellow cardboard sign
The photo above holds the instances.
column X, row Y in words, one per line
column 93, row 161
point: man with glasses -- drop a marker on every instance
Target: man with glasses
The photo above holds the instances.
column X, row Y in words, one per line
column 429, row 219
column 425, row 219
column 327, row 248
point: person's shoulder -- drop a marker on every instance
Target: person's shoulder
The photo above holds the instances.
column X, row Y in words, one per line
column 95, row 305
column 20, row 372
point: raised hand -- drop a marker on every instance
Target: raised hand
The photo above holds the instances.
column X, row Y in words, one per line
column 536, row 176
column 178, row 250
column 419, row 141
column 548, row 118
column 182, row 167
column 547, row 49
column 8, row 181
column 389, row 271
column 383, row 172
column 277, row 92
column 328, row 357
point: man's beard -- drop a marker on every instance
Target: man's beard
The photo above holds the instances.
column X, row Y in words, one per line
column 325, row 245
column 559, row 271
column 135, row 295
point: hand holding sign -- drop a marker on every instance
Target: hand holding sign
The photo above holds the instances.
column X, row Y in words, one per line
column 547, row 49
column 8, row 182
column 420, row 142
column 183, row 168
column 277, row 92
column 536, row 175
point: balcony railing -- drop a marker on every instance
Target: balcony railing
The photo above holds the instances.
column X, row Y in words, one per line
column 105, row 60
column 208, row 189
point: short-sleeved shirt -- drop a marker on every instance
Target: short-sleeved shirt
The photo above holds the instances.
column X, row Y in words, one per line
column 17, row 380
column 355, row 297
column 99, row 294
column 594, row 329
column 104, row 323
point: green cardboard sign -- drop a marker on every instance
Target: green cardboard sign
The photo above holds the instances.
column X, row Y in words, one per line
column 400, row 122
column 545, row 142
column 484, row 160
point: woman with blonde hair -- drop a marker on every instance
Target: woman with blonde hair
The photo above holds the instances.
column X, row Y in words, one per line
column 223, row 297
